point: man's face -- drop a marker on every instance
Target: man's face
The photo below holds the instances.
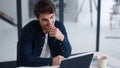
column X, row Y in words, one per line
column 46, row 21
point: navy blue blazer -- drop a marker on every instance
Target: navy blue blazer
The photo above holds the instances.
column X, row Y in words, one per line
column 31, row 42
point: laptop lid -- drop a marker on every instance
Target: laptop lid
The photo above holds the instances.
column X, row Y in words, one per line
column 79, row 61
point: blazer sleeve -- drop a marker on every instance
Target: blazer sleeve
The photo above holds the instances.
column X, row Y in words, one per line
column 26, row 56
column 65, row 44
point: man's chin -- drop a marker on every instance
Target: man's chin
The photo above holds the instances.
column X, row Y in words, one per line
column 47, row 31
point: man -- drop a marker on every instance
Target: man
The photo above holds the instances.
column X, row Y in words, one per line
column 44, row 41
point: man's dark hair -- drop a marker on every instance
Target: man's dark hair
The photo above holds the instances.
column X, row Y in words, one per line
column 44, row 6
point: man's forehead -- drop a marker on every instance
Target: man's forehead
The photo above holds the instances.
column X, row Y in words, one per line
column 46, row 15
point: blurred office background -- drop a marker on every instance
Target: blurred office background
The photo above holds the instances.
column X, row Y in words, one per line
column 80, row 18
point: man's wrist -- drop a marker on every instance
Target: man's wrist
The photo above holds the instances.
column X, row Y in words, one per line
column 62, row 38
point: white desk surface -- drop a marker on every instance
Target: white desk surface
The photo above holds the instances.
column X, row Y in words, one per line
column 40, row 67
column 112, row 63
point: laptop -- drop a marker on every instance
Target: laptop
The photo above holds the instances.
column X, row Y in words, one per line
column 79, row 61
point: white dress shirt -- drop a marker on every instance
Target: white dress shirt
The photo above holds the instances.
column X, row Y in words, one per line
column 46, row 50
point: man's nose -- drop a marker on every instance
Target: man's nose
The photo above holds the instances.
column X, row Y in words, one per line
column 49, row 22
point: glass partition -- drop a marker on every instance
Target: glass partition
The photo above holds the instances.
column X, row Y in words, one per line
column 110, row 27
column 80, row 19
column 8, row 30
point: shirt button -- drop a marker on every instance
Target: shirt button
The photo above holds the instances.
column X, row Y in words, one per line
column 43, row 37
column 38, row 56
column 60, row 43
column 62, row 50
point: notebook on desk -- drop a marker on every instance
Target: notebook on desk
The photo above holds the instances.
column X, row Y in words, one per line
column 79, row 61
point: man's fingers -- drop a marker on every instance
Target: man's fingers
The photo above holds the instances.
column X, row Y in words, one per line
column 52, row 34
column 53, row 31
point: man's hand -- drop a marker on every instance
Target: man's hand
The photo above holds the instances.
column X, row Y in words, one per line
column 55, row 32
column 57, row 60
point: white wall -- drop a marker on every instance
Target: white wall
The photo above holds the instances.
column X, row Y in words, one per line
column 109, row 44
column 81, row 37
column 8, row 41
column 78, row 24
column 71, row 10
column 8, row 33
column 9, row 8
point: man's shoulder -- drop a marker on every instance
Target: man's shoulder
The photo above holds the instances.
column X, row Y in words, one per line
column 33, row 21
column 33, row 27
column 58, row 23
column 31, row 24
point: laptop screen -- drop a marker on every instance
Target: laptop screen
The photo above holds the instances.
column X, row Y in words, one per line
column 80, row 61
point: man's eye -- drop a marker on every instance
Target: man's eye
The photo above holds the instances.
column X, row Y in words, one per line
column 51, row 17
column 44, row 19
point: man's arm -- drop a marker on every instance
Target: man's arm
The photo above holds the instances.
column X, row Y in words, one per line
column 65, row 44
column 61, row 35
column 59, row 32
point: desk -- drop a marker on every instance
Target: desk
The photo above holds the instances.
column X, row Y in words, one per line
column 112, row 63
column 40, row 67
